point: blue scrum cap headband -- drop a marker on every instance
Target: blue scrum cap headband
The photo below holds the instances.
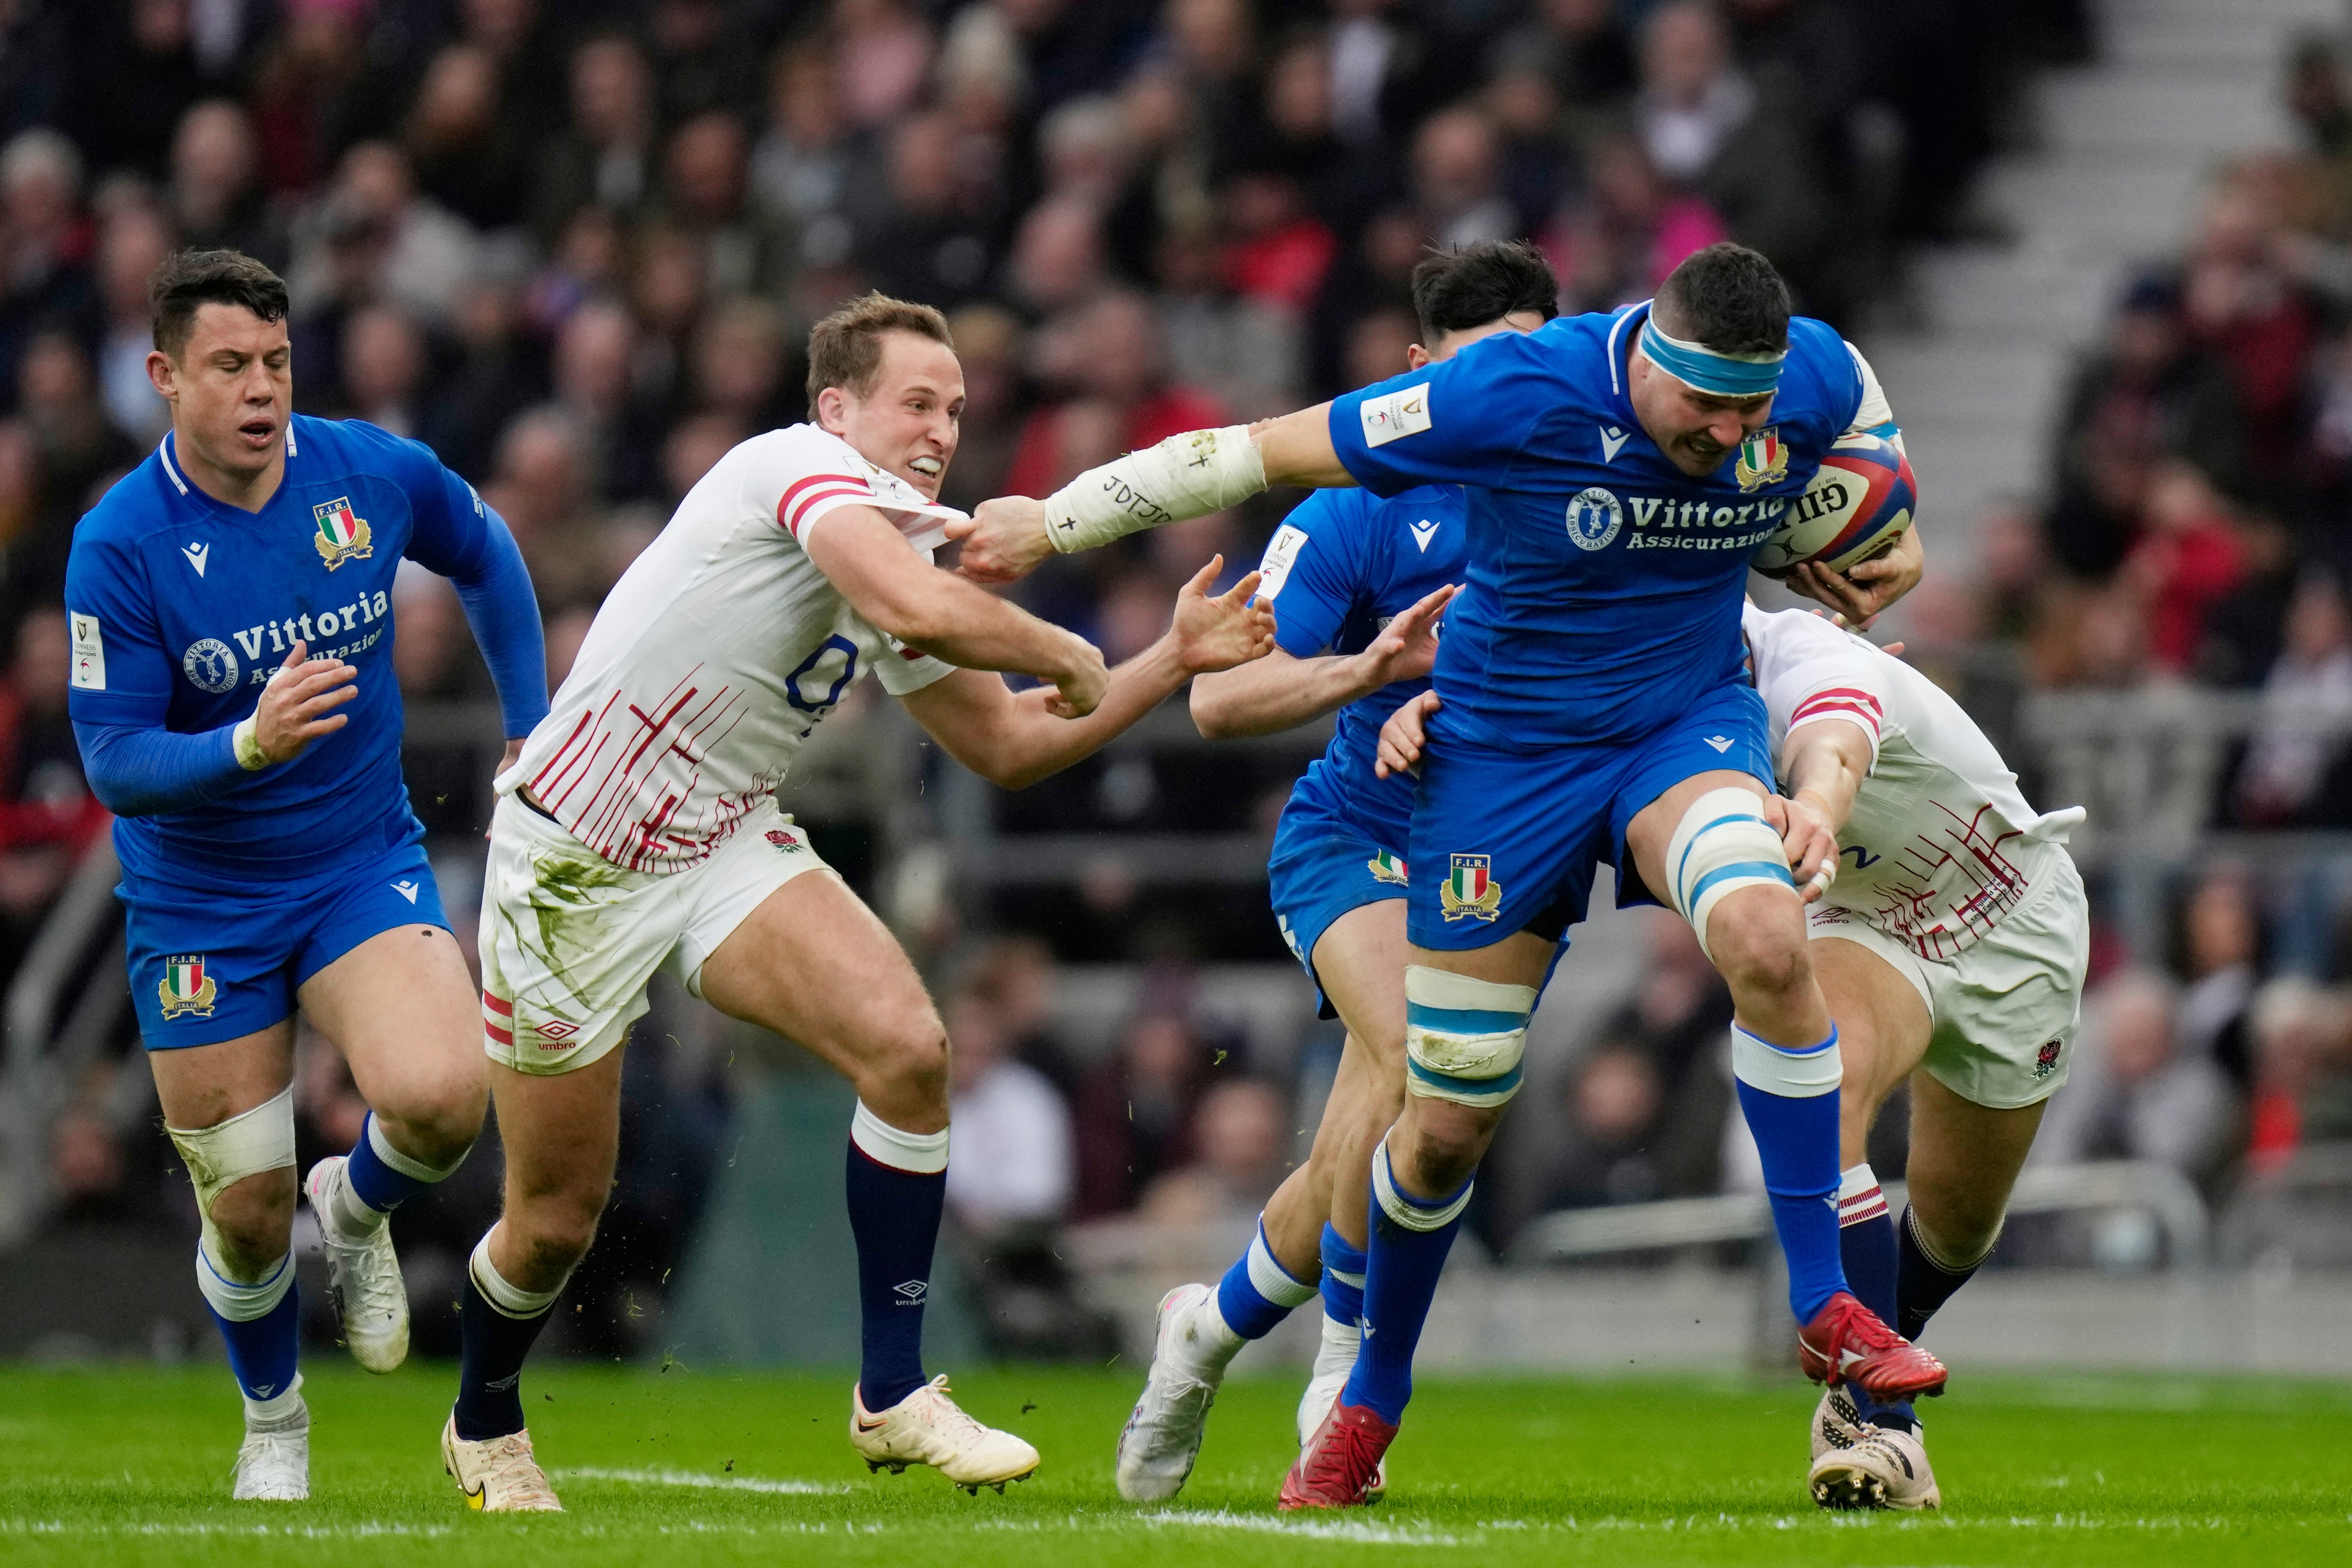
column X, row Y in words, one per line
column 1704, row 369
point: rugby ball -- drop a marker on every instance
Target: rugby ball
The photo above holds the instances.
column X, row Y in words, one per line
column 1857, row 505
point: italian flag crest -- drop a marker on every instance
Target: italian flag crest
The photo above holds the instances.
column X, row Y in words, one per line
column 1387, row 866
column 1471, row 891
column 343, row 533
column 186, row 988
column 1762, row 460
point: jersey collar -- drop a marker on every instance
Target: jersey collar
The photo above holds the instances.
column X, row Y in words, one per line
column 167, row 453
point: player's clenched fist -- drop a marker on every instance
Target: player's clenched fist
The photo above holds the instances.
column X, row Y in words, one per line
column 1078, row 689
column 1002, row 541
column 1811, row 842
column 1214, row 634
column 299, row 704
column 1403, row 737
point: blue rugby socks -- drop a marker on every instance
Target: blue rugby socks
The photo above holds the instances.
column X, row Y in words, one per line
column 260, row 1324
column 1409, row 1239
column 1924, row 1282
column 1866, row 1245
column 497, row 1324
column 1343, row 1278
column 897, row 1185
column 1789, row 1097
column 382, row 1178
column 1257, row 1291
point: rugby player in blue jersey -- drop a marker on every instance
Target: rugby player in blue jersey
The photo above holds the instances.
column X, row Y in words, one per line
column 1621, row 469
column 1358, row 584
column 232, row 694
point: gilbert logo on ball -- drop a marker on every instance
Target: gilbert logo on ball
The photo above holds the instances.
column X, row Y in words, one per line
column 1857, row 505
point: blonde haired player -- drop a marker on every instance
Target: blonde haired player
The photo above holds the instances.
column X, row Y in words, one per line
column 640, row 832
column 1950, row 935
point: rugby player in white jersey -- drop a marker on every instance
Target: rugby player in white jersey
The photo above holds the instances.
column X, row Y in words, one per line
column 1950, row 933
column 639, row 833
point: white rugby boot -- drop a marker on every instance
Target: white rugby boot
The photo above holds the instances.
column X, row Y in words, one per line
column 1837, row 1421
column 927, row 1428
column 498, row 1475
column 1333, row 1361
column 363, row 1274
column 1881, row 1467
column 1163, row 1435
column 273, row 1464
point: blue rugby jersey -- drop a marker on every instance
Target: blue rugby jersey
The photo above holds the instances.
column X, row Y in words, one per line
column 182, row 607
column 1604, row 584
column 1342, row 564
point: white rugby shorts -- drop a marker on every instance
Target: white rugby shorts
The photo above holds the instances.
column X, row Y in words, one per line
column 2002, row 1013
column 569, row 940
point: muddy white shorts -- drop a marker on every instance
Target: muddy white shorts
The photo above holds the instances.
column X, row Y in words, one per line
column 2004, row 1012
column 569, row 940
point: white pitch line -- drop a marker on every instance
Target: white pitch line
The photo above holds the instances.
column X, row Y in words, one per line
column 708, row 1482
column 368, row 1531
column 1315, row 1529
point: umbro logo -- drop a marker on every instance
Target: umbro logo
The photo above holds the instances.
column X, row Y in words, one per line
column 406, row 891
column 1613, row 441
column 197, row 554
column 912, row 1293
column 1422, row 533
column 1720, row 742
column 503, row 1384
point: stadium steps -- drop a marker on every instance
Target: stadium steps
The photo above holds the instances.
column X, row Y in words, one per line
column 2124, row 151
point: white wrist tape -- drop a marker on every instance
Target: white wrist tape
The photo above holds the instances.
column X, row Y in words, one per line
column 246, row 738
column 1185, row 476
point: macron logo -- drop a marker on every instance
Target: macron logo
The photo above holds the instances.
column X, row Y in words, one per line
column 1422, row 533
column 1612, row 440
column 1720, row 742
column 196, row 554
column 406, row 891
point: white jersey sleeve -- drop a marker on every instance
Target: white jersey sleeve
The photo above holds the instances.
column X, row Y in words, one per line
column 718, row 654
column 1875, row 417
column 1941, row 842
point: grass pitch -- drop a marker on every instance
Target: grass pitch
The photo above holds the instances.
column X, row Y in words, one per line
column 131, row 1465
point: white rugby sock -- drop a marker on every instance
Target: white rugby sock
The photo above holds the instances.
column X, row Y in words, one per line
column 281, row 1411
column 1208, row 1342
column 1337, row 1354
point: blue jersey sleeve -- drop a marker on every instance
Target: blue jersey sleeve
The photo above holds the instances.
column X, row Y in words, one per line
column 1462, row 420
column 458, row 535
column 1313, row 570
column 119, row 693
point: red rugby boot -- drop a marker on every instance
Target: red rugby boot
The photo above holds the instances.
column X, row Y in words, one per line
column 1337, row 1466
column 1845, row 1342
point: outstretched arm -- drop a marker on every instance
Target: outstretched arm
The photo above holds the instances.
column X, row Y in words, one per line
column 1274, row 693
column 1185, row 476
column 892, row 585
column 1015, row 740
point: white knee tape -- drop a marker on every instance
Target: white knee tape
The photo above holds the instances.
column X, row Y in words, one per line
column 1721, row 845
column 1792, row 1075
column 1463, row 1038
column 1413, row 1214
column 1186, row 475
column 220, row 1156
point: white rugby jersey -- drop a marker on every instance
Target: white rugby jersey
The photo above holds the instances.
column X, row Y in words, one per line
column 1941, row 844
column 717, row 655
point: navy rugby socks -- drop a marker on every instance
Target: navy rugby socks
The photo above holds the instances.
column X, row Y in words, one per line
column 497, row 1324
column 1922, row 1284
column 897, row 1185
column 1866, row 1244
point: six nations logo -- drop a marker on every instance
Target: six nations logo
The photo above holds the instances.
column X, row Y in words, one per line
column 210, row 664
column 1594, row 515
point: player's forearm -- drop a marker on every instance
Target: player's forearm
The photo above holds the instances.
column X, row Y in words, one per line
column 1267, row 696
column 503, row 611
column 1037, row 745
column 137, row 771
column 1190, row 476
column 1829, row 774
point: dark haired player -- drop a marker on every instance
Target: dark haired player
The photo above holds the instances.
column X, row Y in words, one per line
column 232, row 692
column 1358, row 584
column 1621, row 469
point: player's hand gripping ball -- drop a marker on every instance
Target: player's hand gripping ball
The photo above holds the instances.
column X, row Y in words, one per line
column 1857, row 505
